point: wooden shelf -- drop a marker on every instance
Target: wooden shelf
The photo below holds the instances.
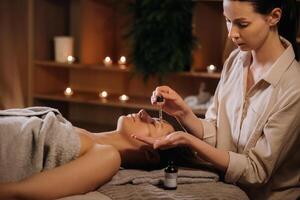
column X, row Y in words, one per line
column 112, row 100
column 50, row 78
column 116, row 68
column 80, row 66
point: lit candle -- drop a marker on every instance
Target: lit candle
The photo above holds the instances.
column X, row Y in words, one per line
column 68, row 92
column 122, row 61
column 70, row 59
column 103, row 94
column 123, row 97
column 211, row 68
column 107, row 61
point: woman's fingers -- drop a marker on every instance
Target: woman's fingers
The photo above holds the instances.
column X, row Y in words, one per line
column 165, row 92
column 153, row 98
column 145, row 139
column 163, row 89
column 162, row 143
column 172, row 140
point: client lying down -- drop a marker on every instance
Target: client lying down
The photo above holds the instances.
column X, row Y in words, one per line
column 42, row 156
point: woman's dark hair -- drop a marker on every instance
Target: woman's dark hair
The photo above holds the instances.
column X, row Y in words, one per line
column 288, row 24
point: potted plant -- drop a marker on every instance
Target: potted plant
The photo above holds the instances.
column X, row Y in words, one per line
column 161, row 36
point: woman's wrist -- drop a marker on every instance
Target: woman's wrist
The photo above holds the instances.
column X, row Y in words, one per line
column 189, row 140
column 184, row 114
column 186, row 117
column 192, row 124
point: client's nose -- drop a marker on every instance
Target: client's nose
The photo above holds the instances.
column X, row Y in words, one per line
column 144, row 116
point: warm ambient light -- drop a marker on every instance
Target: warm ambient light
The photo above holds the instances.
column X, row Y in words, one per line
column 103, row 94
column 70, row 59
column 122, row 60
column 211, row 68
column 68, row 92
column 107, row 61
column 123, row 97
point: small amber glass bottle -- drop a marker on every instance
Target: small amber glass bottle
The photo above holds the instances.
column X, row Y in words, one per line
column 170, row 182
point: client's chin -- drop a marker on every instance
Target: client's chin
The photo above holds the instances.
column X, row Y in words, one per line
column 121, row 123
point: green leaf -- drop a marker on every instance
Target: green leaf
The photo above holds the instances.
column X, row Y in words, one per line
column 161, row 36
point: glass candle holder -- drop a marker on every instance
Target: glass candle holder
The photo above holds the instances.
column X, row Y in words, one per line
column 122, row 60
column 211, row 68
column 123, row 98
column 68, row 92
column 103, row 94
column 70, row 59
column 107, row 61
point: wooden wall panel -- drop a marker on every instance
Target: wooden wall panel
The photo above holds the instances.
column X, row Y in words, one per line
column 93, row 81
column 119, row 83
column 210, row 31
column 51, row 18
column 13, row 53
column 123, row 23
column 49, row 80
column 97, row 32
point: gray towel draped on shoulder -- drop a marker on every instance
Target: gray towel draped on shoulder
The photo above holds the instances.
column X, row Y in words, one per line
column 34, row 139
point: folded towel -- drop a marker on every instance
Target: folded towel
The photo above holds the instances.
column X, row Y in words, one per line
column 193, row 184
column 34, row 139
column 156, row 177
column 192, row 191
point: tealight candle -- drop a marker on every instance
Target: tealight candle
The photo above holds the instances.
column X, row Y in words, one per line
column 107, row 61
column 123, row 97
column 103, row 94
column 211, row 68
column 68, row 92
column 122, row 60
column 70, row 59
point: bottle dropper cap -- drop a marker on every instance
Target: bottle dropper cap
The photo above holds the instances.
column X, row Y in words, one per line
column 160, row 99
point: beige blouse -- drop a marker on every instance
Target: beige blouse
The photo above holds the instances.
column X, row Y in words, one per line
column 260, row 128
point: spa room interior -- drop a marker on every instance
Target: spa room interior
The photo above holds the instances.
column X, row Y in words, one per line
column 96, row 60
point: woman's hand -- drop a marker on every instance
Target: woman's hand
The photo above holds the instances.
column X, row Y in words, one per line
column 173, row 104
column 178, row 138
column 218, row 157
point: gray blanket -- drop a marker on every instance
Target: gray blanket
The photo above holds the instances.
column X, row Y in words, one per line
column 193, row 191
column 156, row 177
column 34, row 139
column 192, row 185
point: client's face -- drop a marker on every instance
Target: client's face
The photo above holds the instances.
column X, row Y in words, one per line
column 142, row 123
column 139, row 154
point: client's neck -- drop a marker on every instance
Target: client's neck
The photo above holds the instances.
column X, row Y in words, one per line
column 112, row 138
column 128, row 151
